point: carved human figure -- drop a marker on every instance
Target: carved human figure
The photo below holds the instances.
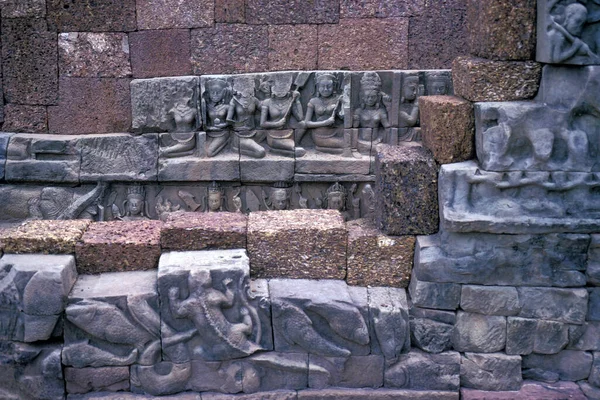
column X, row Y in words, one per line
column 438, row 84
column 409, row 109
column 565, row 39
column 215, row 198
column 279, row 197
column 240, row 115
column 184, row 116
column 336, row 198
column 497, row 137
column 371, row 114
column 326, row 129
column 135, row 206
column 59, row 203
column 215, row 106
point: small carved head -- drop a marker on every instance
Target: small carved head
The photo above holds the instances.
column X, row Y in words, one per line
column 217, row 90
column 325, row 84
column 280, row 196
column 336, row 197
column 134, row 205
column 215, row 197
column 575, row 18
column 244, row 86
column 410, row 88
column 370, row 85
column 281, row 85
column 437, row 84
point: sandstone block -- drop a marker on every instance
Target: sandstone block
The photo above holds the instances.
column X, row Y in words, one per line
column 509, row 37
column 375, row 259
column 44, row 236
column 477, row 79
column 23, row 118
column 422, row 371
column 275, row 395
column 164, row 14
column 568, row 365
column 441, row 296
column 364, row 44
column 430, row 335
column 230, row 11
column 353, row 371
column 495, row 372
column 447, row 127
column 486, row 300
column 4, row 139
column 164, row 52
column 275, row 12
column 562, row 305
column 529, row 390
column 91, row 15
column 550, row 337
column 119, row 246
column 23, row 8
column 292, row 47
column 406, row 191
column 479, row 333
column 199, row 231
column 297, row 244
column 109, row 379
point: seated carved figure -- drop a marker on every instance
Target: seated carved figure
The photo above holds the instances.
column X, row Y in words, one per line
column 371, row 114
column 409, row 109
column 215, row 108
column 565, row 39
column 184, row 116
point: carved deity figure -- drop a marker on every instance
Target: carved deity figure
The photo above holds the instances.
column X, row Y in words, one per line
column 565, row 38
column 215, row 198
column 279, row 197
column 438, row 84
column 134, row 207
column 240, row 115
column 371, row 114
column 185, row 117
column 215, row 106
column 59, row 203
column 409, row 109
column 336, row 198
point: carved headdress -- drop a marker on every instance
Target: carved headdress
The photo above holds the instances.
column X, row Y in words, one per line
column 136, row 191
column 337, row 189
column 370, row 81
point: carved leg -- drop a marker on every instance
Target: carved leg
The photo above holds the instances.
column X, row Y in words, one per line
column 217, row 145
column 252, row 149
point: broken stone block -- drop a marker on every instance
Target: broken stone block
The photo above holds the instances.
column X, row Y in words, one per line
column 511, row 37
column 353, row 371
column 375, row 259
column 277, row 371
column 406, row 188
column 198, row 231
column 447, row 127
column 520, row 335
column 4, row 139
column 375, row 394
column 562, row 305
column 529, row 390
column 479, row 333
column 318, row 163
column 119, row 246
column 478, row 79
column 441, row 296
column 297, row 244
column 592, row 392
column 550, row 337
column 421, row 371
column 109, row 379
column 163, row 52
column 292, row 47
column 23, row 118
column 584, row 337
column 44, row 236
column 388, row 314
column 112, row 320
column 430, row 335
column 161, row 14
column 499, row 300
column 91, row 15
column 568, row 365
column 574, row 85
column 204, row 291
column 494, row 372
column 29, row 371
column 273, row 168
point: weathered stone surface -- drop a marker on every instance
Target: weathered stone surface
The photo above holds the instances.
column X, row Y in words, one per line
column 442, row 296
column 388, row 313
column 520, row 335
column 380, row 8
column 31, row 371
column 133, row 396
column 585, row 337
column 119, row 246
column 23, row 118
column 375, row 394
column 594, row 304
column 375, row 259
column 318, row 163
column 273, row 168
column 34, row 294
column 515, row 260
column 446, row 317
column 112, row 320
column 575, row 87
column 511, row 37
column 438, row 35
column 164, row 52
column 4, row 140
column 93, row 55
column 593, row 268
column 550, row 337
column 91, row 105
column 499, row 300
column 274, row 12
column 525, row 336
column 297, row 244
column 591, row 392
column 406, row 191
column 568, row 365
column 276, row 395
column 477, row 79
column 45, row 237
column 479, row 333
column 23, row 8
column 226, row 167
column 91, row 15
column 230, row 11
column 247, row 49
column 292, row 47
column 430, row 335
column 495, row 372
column 110, row 379
column 364, row 44
column 418, row 370
column 198, row 231
column 562, row 305
column 529, row 390
column 594, row 378
column 353, row 371
column 29, row 62
column 447, row 126
column 163, row 14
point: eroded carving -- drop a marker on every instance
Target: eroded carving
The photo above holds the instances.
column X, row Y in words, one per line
column 215, row 106
column 135, row 206
column 372, row 116
column 409, row 108
column 61, row 203
column 240, row 115
column 279, row 197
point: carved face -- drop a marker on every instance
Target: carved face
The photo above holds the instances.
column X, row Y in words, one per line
column 214, row 201
column 279, row 199
column 410, row 90
column 370, row 97
column 335, row 201
column 576, row 16
column 325, row 87
column 439, row 88
column 216, row 93
column 135, row 205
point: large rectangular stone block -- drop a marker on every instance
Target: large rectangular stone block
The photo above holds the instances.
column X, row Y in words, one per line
column 44, row 236
column 441, row 296
column 164, row 52
column 568, row 365
column 388, row 314
column 353, row 371
column 275, row 12
column 91, row 15
column 25, row 118
column 494, row 372
column 24, row 8
column 562, row 305
column 297, row 244
column 421, row 371
column 293, row 47
column 375, row 394
column 584, row 337
column 380, row 8
column 479, row 333
column 529, row 390
column 495, row 300
column 163, row 14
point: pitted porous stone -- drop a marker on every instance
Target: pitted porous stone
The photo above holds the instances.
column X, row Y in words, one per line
column 297, row 244
column 89, row 54
column 91, row 15
column 529, row 390
column 562, row 305
column 494, row 372
column 23, row 118
column 568, row 365
column 230, row 11
column 4, row 139
column 441, row 296
column 164, row 52
column 380, row 9
column 422, row 371
column 479, row 333
column 585, row 337
column 375, row 259
column 353, row 371
column 164, row 14
column 388, row 315
column 23, row 8
column 292, row 47
column 478, row 79
column 375, row 394
column 119, row 246
column 110, row 379
column 276, row 12
column 500, row 300
column 44, row 236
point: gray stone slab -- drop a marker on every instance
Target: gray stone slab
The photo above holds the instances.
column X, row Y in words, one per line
column 430, row 335
column 375, row 394
column 322, row 163
column 514, row 260
column 109, row 379
column 562, row 305
column 224, row 167
column 351, row 372
column 526, row 336
column 494, row 372
column 591, row 392
column 473, row 200
column 479, row 333
column 550, row 337
column 272, row 168
column 276, row 395
column 568, row 365
column 490, row 300
column 593, row 261
column 421, row 371
column 585, row 337
column 594, row 377
column 594, row 304
column 113, row 319
column 4, row 138
column 446, row 317
column 443, row 296
column 333, row 178
column 520, row 335
column 529, row 390
column 131, row 396
column 388, row 313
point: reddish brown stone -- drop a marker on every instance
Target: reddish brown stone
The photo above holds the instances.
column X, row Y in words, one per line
column 438, row 35
column 478, row 79
column 447, row 128
column 230, row 49
column 502, row 30
column 230, row 11
column 42, row 236
column 380, row 8
column 91, row 15
column 292, row 47
column 160, row 53
column 275, row 12
column 119, row 246
column 91, row 105
column 366, row 44
column 91, row 55
column 529, row 391
column 166, row 14
column 375, row 259
column 307, row 244
column 23, row 8
column 199, row 231
column 29, row 62
column 20, row 118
